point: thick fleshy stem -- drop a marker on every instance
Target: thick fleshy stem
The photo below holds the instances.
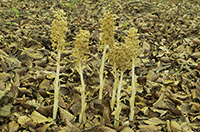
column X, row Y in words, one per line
column 114, row 87
column 83, row 104
column 132, row 100
column 57, row 87
column 101, row 72
column 119, row 107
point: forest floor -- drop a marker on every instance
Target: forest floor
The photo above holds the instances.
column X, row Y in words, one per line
column 167, row 69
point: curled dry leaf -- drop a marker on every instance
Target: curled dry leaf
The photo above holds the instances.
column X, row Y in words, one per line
column 106, row 129
column 165, row 59
column 175, row 126
column 127, row 129
column 23, row 119
column 61, row 102
column 161, row 112
column 2, row 85
column 175, row 110
column 106, row 115
column 196, row 55
column 65, row 115
column 196, row 92
column 39, row 118
column 196, row 41
column 152, row 76
column 149, row 128
column 43, row 128
column 69, row 127
column 4, row 66
column 45, row 84
column 154, row 121
column 4, row 76
column 146, row 47
column 159, row 103
column 13, row 126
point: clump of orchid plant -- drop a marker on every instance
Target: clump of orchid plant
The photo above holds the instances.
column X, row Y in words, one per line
column 123, row 56
column 132, row 42
column 80, row 52
column 59, row 26
column 107, row 39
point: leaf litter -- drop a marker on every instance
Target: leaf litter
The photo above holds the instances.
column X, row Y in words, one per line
column 167, row 70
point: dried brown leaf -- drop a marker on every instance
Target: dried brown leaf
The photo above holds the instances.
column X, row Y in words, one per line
column 13, row 126
column 159, row 103
column 106, row 129
column 23, row 119
column 4, row 76
column 45, row 84
column 165, row 59
column 65, row 115
column 175, row 110
column 61, row 102
column 43, row 128
column 175, row 126
column 152, row 76
column 127, row 129
column 69, row 127
column 149, row 128
column 196, row 55
column 154, row 121
column 196, row 41
column 106, row 115
column 4, row 66
column 39, row 118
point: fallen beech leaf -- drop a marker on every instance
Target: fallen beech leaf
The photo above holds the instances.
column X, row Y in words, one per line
column 149, row 128
column 152, row 76
column 175, row 126
column 196, row 55
column 5, row 110
column 161, row 112
column 106, row 129
column 13, row 126
column 146, row 47
column 23, row 119
column 69, row 127
column 175, row 111
column 45, row 84
column 159, row 103
column 35, row 55
column 4, row 66
column 106, row 115
column 196, row 41
column 127, row 129
column 196, row 105
column 154, row 121
column 39, row 118
column 165, row 59
column 4, row 76
column 194, row 118
column 3, row 53
column 65, row 115
column 43, row 128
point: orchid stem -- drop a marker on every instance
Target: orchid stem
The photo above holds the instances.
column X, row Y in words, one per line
column 83, row 104
column 57, row 87
column 101, row 72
